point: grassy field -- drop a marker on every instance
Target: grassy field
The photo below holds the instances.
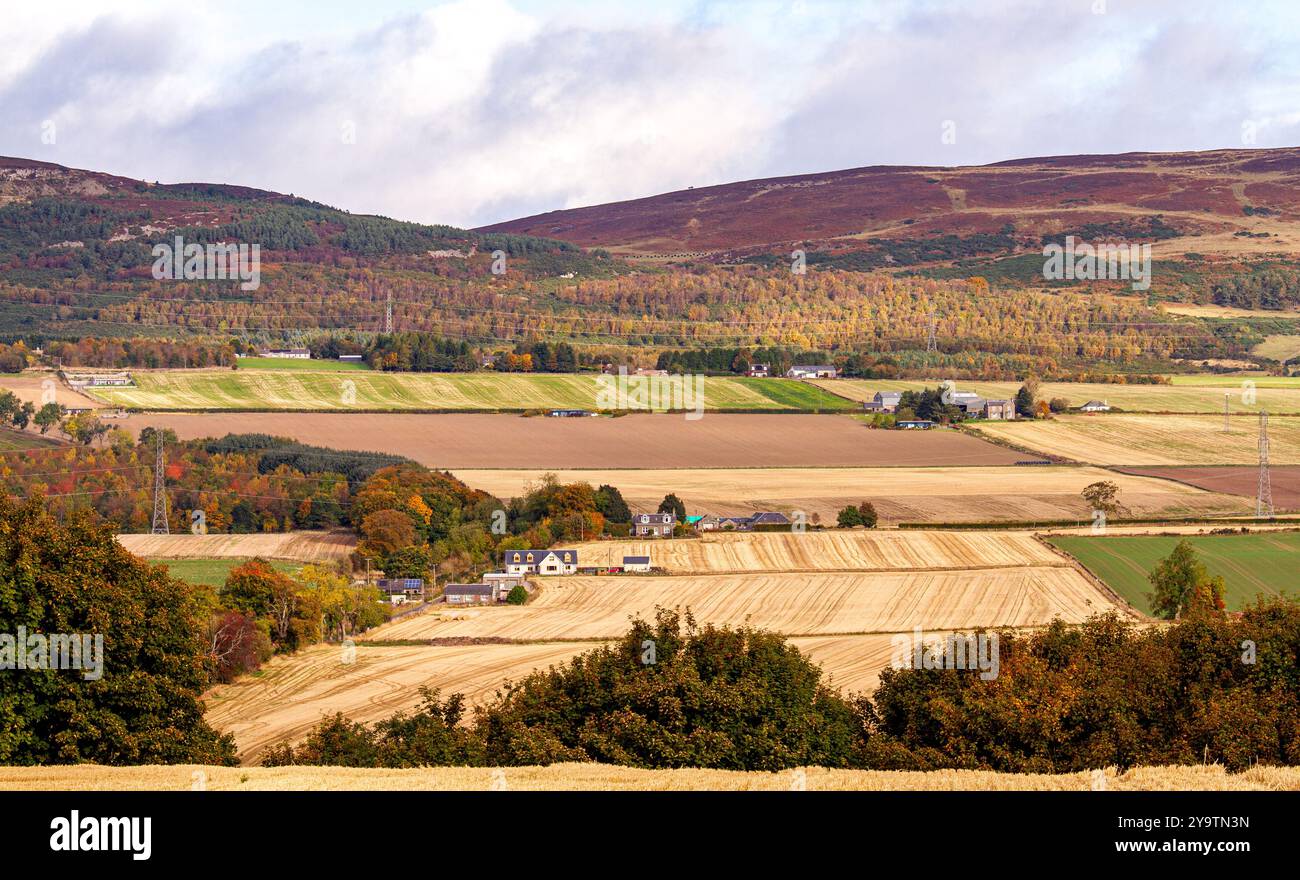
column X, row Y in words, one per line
column 606, row 777
column 1124, row 439
column 1187, row 394
column 284, row 389
column 1249, row 564
column 12, row 441
column 297, row 365
column 213, row 572
column 1279, row 348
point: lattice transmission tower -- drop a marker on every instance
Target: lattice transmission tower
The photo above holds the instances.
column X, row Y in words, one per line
column 932, row 341
column 159, row 489
column 1264, row 496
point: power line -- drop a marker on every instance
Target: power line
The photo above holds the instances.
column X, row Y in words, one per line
column 160, row 526
column 1264, row 494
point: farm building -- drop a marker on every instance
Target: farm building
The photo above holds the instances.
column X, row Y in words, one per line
column 469, row 594
column 352, row 358
column 1004, row 410
column 1095, row 406
column 98, row 380
column 294, row 353
column 541, row 561
column 707, row 523
column 655, row 525
column 967, row 401
column 915, row 424
column 884, row 401
column 636, row 563
column 503, row 582
column 769, row 518
column 812, row 371
column 570, row 413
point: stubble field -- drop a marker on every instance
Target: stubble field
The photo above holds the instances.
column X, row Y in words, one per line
column 919, row 494
column 1123, row 439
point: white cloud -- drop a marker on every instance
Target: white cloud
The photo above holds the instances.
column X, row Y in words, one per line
column 480, row 110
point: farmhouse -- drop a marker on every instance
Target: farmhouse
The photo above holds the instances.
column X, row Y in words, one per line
column 399, row 590
column 1004, row 410
column 812, row 371
column 1095, row 406
column 655, row 525
column 884, row 401
column 295, row 353
column 636, row 563
column 469, row 594
column 541, row 561
column 759, row 371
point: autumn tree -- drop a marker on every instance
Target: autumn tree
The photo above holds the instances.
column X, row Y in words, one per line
column 1180, row 579
column 1103, row 495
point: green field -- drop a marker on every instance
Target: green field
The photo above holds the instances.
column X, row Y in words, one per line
column 1188, row 394
column 297, row 365
column 1249, row 564
column 212, row 572
column 263, row 390
column 11, row 440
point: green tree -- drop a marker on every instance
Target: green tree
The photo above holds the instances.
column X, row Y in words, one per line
column 142, row 705
column 849, row 517
column 610, row 504
column 48, row 416
column 1178, row 580
column 673, row 504
column 518, row 595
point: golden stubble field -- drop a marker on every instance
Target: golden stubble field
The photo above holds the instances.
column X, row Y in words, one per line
column 841, row 597
column 921, row 494
column 317, row 547
column 1124, row 439
column 605, row 777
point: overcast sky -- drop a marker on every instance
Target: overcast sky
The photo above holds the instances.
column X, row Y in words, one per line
column 474, row 111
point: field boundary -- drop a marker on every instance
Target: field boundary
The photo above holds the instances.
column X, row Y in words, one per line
column 1097, row 582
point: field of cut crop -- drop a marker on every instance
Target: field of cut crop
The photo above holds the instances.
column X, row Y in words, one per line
column 292, row 694
column 607, row 777
column 1249, row 564
column 921, row 494
column 848, row 550
column 831, row 603
column 288, row 390
column 297, row 365
column 318, row 547
column 1119, row 439
column 1188, row 394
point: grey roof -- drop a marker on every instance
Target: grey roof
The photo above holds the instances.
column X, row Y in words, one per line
column 889, row 395
column 812, row 366
column 1096, row 403
column 636, row 560
column 467, row 590
column 998, row 402
column 769, row 518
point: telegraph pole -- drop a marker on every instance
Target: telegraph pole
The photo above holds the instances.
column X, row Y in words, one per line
column 160, row 526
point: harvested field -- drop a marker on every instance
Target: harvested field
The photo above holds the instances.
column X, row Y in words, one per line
column 794, row 604
column 605, row 777
column 652, row 441
column 1121, row 439
column 33, row 388
column 292, row 694
column 314, row 389
column 1188, row 394
column 294, row 546
column 852, row 663
column 1233, row 480
column 857, row 550
column 939, row 494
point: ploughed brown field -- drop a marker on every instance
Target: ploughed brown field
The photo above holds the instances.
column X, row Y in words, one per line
column 1233, row 480
column 607, row 777
column 635, row 441
column 900, row 494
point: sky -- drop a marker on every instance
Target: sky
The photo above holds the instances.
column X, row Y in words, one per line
column 471, row 112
